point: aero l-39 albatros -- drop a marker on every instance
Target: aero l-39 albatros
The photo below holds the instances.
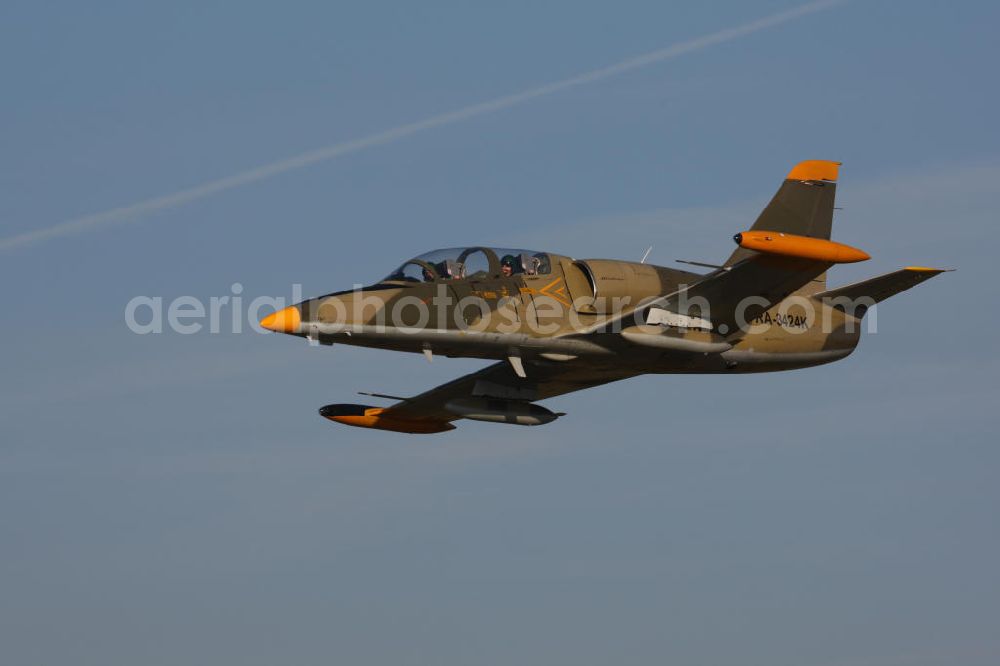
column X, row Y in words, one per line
column 557, row 324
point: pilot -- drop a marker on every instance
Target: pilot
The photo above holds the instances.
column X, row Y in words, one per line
column 507, row 265
column 428, row 275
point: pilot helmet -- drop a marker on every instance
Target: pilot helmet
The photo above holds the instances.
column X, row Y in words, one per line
column 509, row 260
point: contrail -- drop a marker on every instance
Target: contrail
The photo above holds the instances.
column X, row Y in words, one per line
column 133, row 211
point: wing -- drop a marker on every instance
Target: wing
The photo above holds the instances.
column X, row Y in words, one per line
column 546, row 379
column 495, row 387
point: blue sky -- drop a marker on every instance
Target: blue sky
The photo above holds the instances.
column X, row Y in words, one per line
column 173, row 499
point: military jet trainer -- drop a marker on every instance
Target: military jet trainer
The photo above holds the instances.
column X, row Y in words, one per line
column 555, row 324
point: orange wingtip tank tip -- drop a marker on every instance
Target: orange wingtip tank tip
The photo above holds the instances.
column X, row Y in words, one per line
column 283, row 321
column 814, row 170
column 802, row 247
column 362, row 416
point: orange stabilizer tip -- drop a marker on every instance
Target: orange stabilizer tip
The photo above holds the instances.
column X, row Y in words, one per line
column 283, row 321
column 802, row 247
column 814, row 170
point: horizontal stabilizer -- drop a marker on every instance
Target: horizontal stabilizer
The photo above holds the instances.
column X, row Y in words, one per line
column 882, row 287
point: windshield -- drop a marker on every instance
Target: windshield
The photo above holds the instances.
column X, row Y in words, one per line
column 476, row 263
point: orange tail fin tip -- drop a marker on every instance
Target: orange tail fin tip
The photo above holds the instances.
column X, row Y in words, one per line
column 815, row 170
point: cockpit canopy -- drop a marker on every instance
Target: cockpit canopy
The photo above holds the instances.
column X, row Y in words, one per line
column 476, row 263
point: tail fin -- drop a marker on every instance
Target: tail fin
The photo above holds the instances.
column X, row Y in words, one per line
column 803, row 206
column 877, row 289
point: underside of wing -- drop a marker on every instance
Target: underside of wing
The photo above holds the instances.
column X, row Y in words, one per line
column 496, row 394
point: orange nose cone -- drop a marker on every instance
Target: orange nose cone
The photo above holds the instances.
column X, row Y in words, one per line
column 283, row 321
